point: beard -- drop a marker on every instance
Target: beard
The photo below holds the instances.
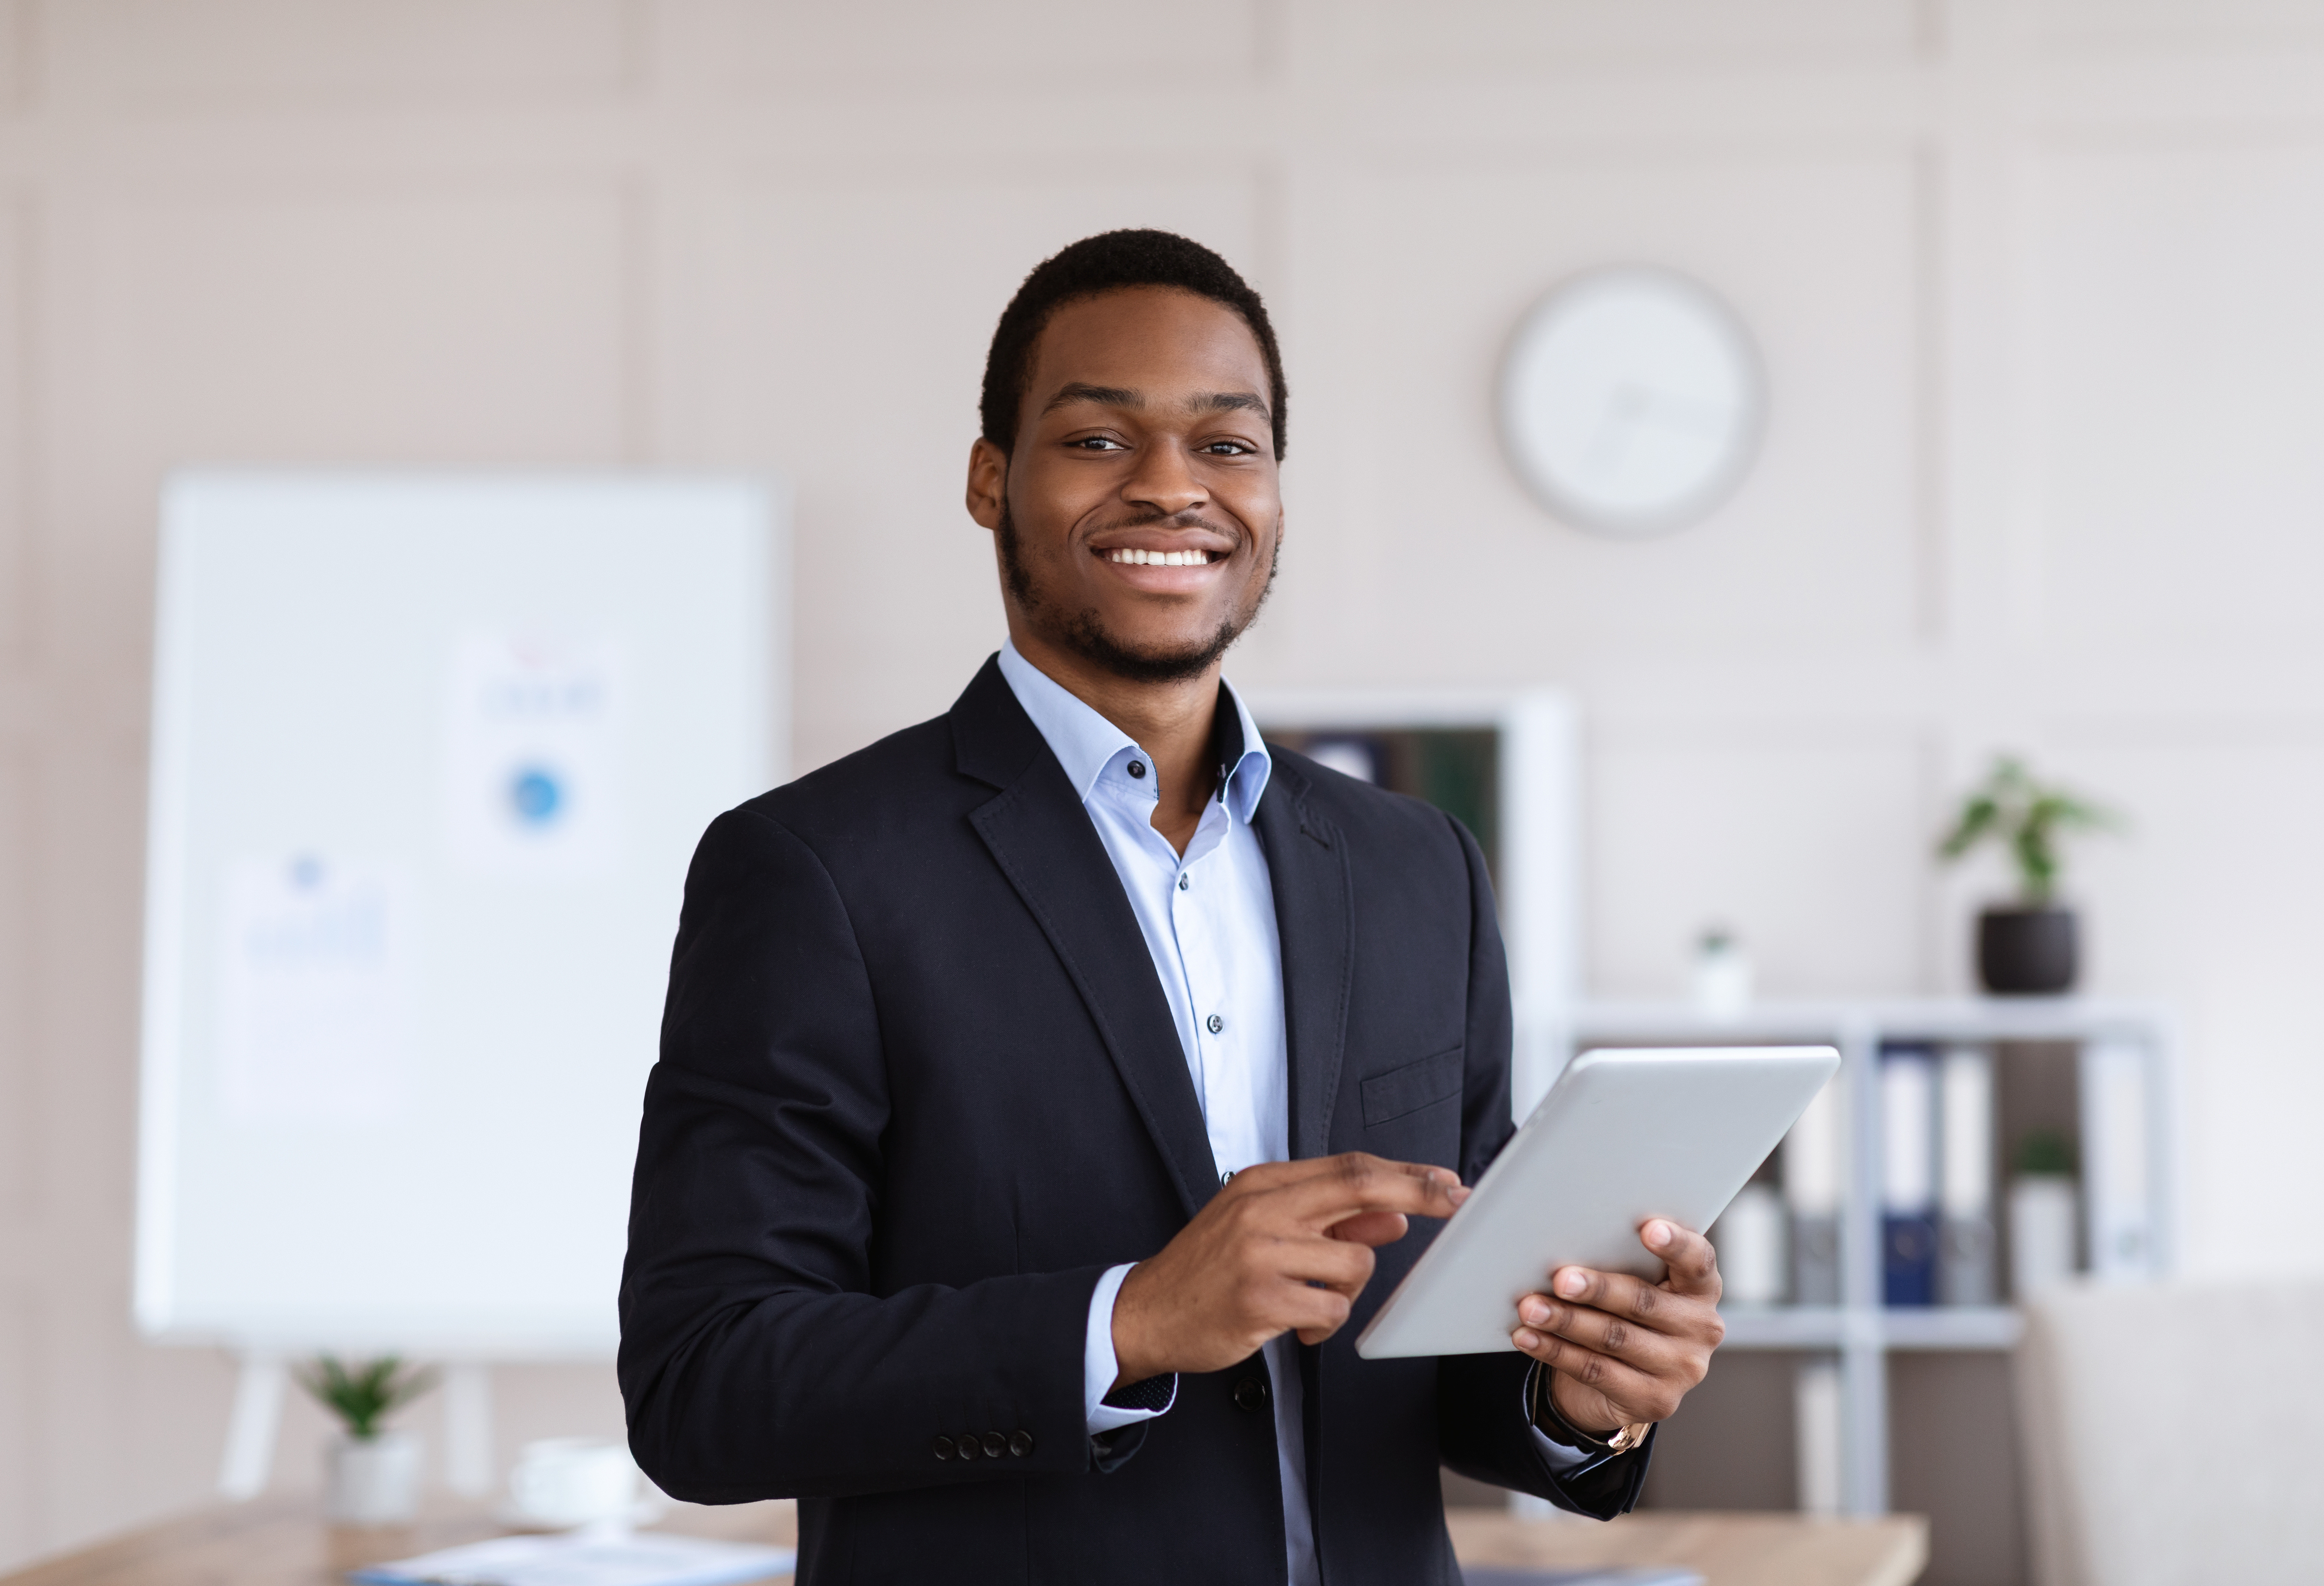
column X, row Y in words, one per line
column 1087, row 636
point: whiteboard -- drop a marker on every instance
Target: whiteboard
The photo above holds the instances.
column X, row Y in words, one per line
column 430, row 754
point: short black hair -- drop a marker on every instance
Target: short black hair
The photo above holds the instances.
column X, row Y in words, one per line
column 1113, row 261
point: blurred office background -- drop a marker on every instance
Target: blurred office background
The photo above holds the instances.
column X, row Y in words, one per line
column 2035, row 282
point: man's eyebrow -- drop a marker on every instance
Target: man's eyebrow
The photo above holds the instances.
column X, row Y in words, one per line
column 1227, row 402
column 1111, row 396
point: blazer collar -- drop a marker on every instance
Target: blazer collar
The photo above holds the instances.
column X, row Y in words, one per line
column 992, row 738
column 1315, row 913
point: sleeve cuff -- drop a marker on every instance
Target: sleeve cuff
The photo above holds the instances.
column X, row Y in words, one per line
column 1562, row 1457
column 1100, row 1366
column 1555, row 1454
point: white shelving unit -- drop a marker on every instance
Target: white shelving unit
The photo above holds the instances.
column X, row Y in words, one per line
column 2125, row 1089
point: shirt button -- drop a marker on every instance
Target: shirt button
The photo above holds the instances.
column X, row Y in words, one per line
column 1137, row 767
column 1226, row 1176
column 1216, row 1023
column 1184, row 882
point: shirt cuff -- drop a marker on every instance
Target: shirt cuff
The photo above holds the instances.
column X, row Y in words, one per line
column 1562, row 1457
column 1100, row 1366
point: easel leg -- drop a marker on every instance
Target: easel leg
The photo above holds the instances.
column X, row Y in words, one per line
column 468, row 1429
column 250, row 1434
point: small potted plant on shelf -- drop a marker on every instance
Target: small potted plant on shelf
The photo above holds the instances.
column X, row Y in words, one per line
column 375, row 1472
column 2033, row 946
column 2043, row 1214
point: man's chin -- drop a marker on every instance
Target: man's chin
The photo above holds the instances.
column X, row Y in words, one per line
column 1176, row 658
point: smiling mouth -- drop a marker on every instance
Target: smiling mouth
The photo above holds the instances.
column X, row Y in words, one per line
column 1165, row 558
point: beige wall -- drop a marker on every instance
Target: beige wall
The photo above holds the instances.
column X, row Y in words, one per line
column 2036, row 285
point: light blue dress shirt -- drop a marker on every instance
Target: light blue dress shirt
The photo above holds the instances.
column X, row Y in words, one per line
column 1208, row 916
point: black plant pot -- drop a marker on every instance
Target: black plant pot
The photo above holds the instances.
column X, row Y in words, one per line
column 2027, row 952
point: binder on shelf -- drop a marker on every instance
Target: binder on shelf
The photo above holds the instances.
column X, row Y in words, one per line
column 1749, row 1238
column 1965, row 1113
column 1814, row 1167
column 1908, row 1186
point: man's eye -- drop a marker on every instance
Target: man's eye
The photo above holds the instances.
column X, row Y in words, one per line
column 1233, row 448
column 1100, row 443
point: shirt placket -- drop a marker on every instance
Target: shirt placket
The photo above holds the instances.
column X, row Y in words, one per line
column 1224, row 1108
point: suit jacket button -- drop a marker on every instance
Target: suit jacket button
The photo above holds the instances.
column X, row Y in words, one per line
column 944, row 1448
column 1020, row 1444
column 967, row 1443
column 995, row 1445
column 1251, row 1394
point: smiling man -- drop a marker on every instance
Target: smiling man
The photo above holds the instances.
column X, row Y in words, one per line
column 1046, row 1091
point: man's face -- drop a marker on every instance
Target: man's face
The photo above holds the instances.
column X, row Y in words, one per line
column 1140, row 516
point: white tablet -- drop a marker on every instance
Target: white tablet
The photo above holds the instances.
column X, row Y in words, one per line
column 1622, row 1137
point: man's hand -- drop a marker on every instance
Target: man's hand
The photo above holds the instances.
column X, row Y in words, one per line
column 1284, row 1246
column 1621, row 1350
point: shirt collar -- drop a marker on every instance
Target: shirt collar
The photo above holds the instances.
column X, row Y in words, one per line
column 1085, row 742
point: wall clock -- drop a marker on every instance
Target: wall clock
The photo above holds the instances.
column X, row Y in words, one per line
column 1631, row 401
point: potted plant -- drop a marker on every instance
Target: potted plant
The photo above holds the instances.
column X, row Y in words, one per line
column 2031, row 947
column 2043, row 1214
column 375, row 1472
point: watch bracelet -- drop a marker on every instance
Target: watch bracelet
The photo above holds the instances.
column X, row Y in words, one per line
column 1622, row 1440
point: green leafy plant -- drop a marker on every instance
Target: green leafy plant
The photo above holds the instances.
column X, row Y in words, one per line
column 363, row 1395
column 2026, row 819
column 2046, row 1153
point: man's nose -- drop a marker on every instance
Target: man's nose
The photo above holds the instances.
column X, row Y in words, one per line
column 1163, row 481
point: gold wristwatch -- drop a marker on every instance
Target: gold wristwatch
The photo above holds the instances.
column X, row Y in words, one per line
column 1624, row 1438
column 1629, row 1437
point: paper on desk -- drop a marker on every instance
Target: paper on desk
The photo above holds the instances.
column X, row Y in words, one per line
column 585, row 1559
column 1621, row 1575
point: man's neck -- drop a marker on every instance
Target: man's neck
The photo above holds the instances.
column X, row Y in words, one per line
column 1172, row 722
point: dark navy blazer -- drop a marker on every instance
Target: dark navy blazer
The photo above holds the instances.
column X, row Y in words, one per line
column 919, row 1088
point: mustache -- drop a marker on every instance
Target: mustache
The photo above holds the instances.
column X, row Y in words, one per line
column 1191, row 518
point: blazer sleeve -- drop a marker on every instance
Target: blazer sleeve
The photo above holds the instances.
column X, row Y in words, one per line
column 756, row 1361
column 1482, row 1429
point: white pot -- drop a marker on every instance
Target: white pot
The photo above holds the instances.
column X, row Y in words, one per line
column 2042, row 1227
column 374, row 1481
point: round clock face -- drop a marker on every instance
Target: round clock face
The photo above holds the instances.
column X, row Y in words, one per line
column 1631, row 401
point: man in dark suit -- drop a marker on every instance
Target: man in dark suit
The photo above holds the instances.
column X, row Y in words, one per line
column 1045, row 1090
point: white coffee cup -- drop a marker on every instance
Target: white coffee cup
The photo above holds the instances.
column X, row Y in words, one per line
column 564, row 1481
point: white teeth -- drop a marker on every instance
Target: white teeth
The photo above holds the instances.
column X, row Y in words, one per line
column 1159, row 559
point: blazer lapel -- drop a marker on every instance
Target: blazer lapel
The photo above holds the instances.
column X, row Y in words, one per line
column 1042, row 839
column 1315, row 917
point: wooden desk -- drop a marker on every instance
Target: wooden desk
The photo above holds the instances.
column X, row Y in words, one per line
column 283, row 1541
column 1731, row 1549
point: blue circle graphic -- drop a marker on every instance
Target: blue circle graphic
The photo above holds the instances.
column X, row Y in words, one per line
column 537, row 795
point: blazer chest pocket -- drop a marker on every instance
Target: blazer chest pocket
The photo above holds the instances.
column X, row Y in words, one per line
column 1408, row 1089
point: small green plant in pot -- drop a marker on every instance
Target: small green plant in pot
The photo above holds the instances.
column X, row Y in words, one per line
column 2031, row 947
column 375, row 1472
column 2044, row 1215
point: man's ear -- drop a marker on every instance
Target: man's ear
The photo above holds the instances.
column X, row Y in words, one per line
column 988, row 482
